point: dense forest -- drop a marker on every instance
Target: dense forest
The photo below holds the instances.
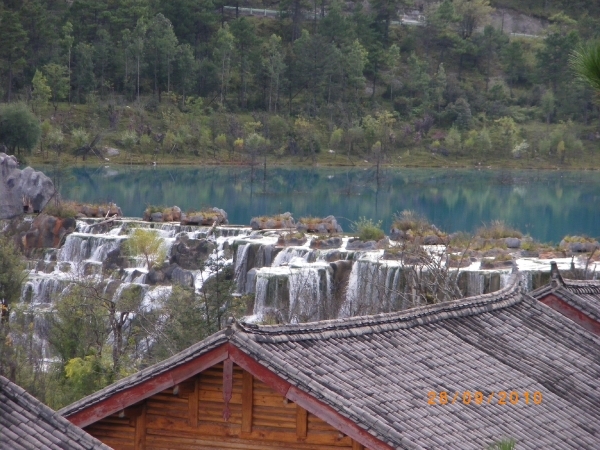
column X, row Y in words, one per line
column 208, row 82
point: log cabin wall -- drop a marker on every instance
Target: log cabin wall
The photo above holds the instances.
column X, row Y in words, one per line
column 196, row 415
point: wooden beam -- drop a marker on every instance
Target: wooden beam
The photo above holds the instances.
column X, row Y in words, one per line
column 193, row 403
column 227, row 387
column 140, row 430
column 127, row 397
column 184, row 389
column 247, row 401
column 132, row 412
column 301, row 422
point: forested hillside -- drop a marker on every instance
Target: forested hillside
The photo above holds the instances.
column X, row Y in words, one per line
column 219, row 81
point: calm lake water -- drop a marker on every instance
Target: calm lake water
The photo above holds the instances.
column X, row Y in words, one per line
column 547, row 205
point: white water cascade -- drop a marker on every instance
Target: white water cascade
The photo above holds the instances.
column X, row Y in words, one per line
column 288, row 283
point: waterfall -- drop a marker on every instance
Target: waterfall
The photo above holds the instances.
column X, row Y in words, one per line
column 289, row 254
column 240, row 270
column 43, row 290
column 475, row 283
column 305, row 295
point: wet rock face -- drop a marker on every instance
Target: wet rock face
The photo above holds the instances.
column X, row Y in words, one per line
column 20, row 188
column 191, row 253
column 325, row 244
column 114, row 260
column 46, row 232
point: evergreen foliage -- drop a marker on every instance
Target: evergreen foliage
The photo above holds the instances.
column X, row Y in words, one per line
column 190, row 72
column 19, row 128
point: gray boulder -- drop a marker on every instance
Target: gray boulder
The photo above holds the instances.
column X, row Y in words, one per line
column 182, row 277
column 512, row 242
column 20, row 188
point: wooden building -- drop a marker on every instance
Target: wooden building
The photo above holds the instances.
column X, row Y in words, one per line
column 579, row 300
column 397, row 380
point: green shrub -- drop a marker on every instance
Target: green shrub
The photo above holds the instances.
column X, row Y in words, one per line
column 62, row 210
column 367, row 230
column 410, row 220
column 19, row 128
column 497, row 229
column 146, row 243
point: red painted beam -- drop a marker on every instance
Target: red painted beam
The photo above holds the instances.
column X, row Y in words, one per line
column 306, row 401
column 148, row 388
column 576, row 315
column 145, row 389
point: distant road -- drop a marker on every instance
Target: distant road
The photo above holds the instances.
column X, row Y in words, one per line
column 404, row 20
column 273, row 13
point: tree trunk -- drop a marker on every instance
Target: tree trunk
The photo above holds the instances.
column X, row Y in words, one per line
column 138, row 78
column 10, row 77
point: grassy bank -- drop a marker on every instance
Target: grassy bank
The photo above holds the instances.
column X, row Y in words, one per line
column 165, row 135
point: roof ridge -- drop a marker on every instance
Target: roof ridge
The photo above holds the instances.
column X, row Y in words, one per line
column 422, row 315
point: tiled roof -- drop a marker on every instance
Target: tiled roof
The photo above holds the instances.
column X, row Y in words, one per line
column 26, row 423
column 378, row 370
column 581, row 294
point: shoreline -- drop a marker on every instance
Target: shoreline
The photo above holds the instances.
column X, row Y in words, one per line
column 294, row 164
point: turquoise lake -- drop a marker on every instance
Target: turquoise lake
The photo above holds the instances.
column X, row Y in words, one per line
column 545, row 204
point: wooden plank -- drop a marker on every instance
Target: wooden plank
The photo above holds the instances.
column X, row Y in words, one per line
column 141, row 391
column 247, row 401
column 193, row 404
column 301, row 422
column 140, row 430
column 357, row 445
column 259, row 436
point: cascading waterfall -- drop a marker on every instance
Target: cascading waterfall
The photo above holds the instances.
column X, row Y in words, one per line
column 42, row 290
column 240, row 270
column 290, row 284
column 285, row 256
column 308, row 293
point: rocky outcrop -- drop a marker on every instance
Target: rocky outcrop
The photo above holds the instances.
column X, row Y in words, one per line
column 291, row 240
column 172, row 214
column 88, row 210
column 46, row 232
column 279, row 221
column 357, row 244
column 326, row 244
column 206, row 217
column 579, row 244
column 327, row 225
column 22, row 190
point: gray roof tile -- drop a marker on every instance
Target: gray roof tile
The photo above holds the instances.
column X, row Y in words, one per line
column 377, row 370
column 26, row 423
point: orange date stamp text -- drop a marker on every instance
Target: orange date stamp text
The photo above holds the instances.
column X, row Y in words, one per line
column 478, row 398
